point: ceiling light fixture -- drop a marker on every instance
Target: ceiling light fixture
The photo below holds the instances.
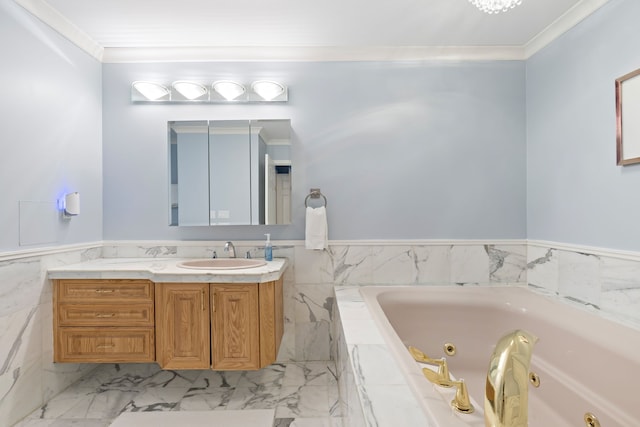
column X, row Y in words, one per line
column 267, row 90
column 190, row 90
column 229, row 89
column 495, row 6
column 151, row 91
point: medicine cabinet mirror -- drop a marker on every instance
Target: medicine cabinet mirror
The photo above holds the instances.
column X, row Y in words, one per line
column 230, row 172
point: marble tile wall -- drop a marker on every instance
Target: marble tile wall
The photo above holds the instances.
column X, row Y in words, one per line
column 602, row 279
column 28, row 377
column 606, row 281
column 309, row 282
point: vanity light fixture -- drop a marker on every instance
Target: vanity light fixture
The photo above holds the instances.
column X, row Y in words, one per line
column 190, row 90
column 150, row 90
column 495, row 6
column 267, row 89
column 229, row 89
column 220, row 91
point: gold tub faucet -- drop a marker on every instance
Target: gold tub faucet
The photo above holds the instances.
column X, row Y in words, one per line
column 461, row 401
column 506, row 398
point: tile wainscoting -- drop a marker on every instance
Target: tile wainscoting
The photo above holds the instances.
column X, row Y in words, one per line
column 605, row 281
column 28, row 376
column 609, row 281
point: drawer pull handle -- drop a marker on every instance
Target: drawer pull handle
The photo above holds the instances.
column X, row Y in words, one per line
column 101, row 315
column 105, row 346
column 104, row 291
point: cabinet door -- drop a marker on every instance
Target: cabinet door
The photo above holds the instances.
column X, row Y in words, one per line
column 235, row 336
column 182, row 325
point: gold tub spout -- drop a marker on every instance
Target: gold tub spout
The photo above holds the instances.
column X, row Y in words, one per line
column 507, row 394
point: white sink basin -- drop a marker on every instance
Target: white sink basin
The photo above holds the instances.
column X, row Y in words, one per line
column 221, row 263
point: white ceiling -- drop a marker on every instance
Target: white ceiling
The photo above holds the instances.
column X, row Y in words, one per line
column 348, row 26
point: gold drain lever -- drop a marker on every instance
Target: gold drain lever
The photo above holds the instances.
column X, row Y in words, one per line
column 443, row 369
column 461, row 401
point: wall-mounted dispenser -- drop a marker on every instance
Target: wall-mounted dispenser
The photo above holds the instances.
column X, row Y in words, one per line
column 71, row 205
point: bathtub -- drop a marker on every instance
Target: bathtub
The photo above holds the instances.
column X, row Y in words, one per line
column 586, row 363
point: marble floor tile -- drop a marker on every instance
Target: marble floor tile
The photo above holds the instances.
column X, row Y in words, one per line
column 80, row 403
column 255, row 397
column 205, row 399
column 309, row 373
column 303, row 401
column 302, row 394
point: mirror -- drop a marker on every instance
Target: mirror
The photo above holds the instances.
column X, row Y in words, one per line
column 230, row 172
column 627, row 124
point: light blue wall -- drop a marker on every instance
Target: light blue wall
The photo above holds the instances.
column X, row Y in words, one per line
column 576, row 193
column 411, row 150
column 51, row 109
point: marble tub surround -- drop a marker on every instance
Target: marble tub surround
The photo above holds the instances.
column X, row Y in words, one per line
column 373, row 390
column 166, row 270
column 300, row 394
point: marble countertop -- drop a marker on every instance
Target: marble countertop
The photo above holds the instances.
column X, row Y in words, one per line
column 166, row 270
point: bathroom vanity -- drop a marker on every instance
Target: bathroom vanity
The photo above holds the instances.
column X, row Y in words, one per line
column 151, row 310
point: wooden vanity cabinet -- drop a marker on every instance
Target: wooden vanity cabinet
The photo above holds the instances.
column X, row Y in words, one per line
column 103, row 321
column 235, row 326
column 232, row 326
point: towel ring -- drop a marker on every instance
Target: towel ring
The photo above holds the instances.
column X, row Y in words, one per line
column 314, row 194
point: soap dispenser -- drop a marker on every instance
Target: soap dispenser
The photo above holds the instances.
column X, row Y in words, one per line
column 268, row 249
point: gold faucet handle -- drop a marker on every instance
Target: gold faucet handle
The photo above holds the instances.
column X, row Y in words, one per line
column 461, row 401
column 436, row 378
column 443, row 369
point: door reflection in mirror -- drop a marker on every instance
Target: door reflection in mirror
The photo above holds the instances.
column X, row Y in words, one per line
column 230, row 172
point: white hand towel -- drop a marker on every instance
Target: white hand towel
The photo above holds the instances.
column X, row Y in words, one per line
column 316, row 230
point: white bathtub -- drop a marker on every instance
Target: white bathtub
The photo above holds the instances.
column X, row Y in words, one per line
column 586, row 364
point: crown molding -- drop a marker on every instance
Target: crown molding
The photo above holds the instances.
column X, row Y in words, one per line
column 310, row 54
column 564, row 23
column 50, row 16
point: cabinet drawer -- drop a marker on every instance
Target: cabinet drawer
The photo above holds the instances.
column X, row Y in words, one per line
column 106, row 314
column 105, row 345
column 104, row 290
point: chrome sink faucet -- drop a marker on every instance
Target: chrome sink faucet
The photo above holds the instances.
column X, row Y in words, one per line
column 506, row 401
column 228, row 247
